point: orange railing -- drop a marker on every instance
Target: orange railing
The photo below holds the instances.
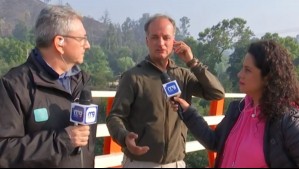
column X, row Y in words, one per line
column 112, row 155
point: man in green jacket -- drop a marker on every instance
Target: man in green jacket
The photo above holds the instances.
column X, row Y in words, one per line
column 142, row 120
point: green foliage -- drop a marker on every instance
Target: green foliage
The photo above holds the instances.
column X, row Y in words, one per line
column 197, row 159
column 12, row 53
column 4, row 67
column 21, row 32
column 125, row 63
column 236, row 60
column 221, row 69
column 221, row 37
column 288, row 42
column 112, row 39
column 96, row 65
column 183, row 31
column 221, row 47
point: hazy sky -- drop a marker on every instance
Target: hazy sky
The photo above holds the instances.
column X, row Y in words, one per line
column 281, row 16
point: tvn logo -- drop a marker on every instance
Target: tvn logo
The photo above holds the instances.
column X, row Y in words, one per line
column 171, row 88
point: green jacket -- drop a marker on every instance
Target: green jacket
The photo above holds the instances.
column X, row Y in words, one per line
column 140, row 106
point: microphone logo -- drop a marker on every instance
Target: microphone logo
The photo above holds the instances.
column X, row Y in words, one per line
column 171, row 88
column 91, row 114
column 77, row 114
column 84, row 114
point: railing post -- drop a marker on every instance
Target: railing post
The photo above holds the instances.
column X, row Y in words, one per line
column 109, row 145
column 216, row 108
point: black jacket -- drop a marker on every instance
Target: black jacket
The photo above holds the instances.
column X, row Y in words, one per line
column 281, row 139
column 35, row 110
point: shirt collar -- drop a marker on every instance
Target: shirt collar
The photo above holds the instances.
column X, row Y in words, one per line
column 73, row 71
column 171, row 63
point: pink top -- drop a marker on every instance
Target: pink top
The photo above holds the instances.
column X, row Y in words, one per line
column 244, row 145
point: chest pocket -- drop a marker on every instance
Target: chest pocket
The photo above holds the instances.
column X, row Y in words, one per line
column 48, row 112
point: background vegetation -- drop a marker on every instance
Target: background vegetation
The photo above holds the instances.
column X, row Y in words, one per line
column 117, row 47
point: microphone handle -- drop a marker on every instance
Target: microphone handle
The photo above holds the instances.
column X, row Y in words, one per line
column 180, row 111
column 78, row 149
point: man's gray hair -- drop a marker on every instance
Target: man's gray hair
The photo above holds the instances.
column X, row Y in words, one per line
column 158, row 16
column 53, row 20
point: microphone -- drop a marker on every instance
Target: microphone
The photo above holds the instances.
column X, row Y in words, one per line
column 171, row 89
column 84, row 112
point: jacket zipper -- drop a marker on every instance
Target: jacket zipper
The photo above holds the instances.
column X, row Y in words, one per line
column 166, row 133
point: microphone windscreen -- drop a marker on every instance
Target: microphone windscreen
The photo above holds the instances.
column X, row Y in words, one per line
column 165, row 78
column 85, row 97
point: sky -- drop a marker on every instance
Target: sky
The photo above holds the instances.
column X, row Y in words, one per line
column 274, row 16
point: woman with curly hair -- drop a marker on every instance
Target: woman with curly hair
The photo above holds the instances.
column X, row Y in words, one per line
column 261, row 130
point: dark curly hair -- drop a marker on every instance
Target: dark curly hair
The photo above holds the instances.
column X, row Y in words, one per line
column 281, row 91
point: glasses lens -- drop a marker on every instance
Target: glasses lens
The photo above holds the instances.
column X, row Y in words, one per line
column 81, row 40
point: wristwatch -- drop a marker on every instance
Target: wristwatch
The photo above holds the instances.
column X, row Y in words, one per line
column 192, row 62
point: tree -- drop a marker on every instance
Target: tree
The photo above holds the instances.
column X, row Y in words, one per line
column 106, row 18
column 288, row 42
column 139, row 29
column 235, row 64
column 183, row 31
column 125, row 63
column 1, row 26
column 128, row 31
column 213, row 42
column 121, row 59
column 12, row 53
column 21, row 32
column 97, row 66
column 112, row 39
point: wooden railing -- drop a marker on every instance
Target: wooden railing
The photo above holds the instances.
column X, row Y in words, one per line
column 112, row 155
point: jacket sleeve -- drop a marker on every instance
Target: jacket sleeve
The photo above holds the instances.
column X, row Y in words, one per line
column 117, row 120
column 199, row 128
column 20, row 149
column 211, row 139
column 204, row 84
column 291, row 136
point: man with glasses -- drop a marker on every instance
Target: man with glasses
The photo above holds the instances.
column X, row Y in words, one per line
column 82, row 40
column 35, row 130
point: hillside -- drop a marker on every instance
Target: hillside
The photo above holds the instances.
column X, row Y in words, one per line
column 14, row 11
column 26, row 11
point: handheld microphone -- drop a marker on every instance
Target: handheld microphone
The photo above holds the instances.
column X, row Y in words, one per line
column 171, row 89
column 84, row 112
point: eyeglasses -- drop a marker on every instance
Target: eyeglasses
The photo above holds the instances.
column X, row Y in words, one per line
column 82, row 40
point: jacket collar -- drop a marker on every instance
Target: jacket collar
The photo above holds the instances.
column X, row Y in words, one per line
column 171, row 63
column 44, row 75
column 38, row 57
